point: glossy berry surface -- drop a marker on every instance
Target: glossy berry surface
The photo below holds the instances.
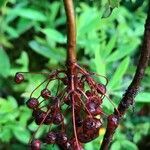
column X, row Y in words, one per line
column 19, row 78
column 84, row 138
column 79, row 121
column 45, row 93
column 32, row 103
column 40, row 117
column 71, row 110
column 101, row 88
column 112, row 121
column 98, row 123
column 48, row 120
column 57, row 118
column 35, row 145
column 89, row 124
column 61, row 138
column 66, row 146
column 50, row 138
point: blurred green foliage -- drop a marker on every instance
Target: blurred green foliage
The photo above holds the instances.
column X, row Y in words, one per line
column 33, row 37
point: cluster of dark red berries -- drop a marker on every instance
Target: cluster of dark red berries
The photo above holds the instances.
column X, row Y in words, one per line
column 77, row 110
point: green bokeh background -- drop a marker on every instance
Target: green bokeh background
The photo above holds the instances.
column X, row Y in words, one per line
column 33, row 38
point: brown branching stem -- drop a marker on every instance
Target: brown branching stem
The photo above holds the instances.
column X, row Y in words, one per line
column 71, row 57
column 128, row 97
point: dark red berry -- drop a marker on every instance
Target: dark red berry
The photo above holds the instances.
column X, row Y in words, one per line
column 89, row 124
column 58, row 118
column 66, row 146
column 97, row 100
column 94, row 108
column 61, row 138
column 98, row 123
column 91, row 106
column 36, row 112
column 19, row 78
column 32, row 103
column 101, row 89
column 48, row 119
column 79, row 121
column 35, row 145
column 50, row 138
column 45, row 93
column 88, row 93
column 112, row 122
column 91, row 128
column 84, row 138
column 40, row 117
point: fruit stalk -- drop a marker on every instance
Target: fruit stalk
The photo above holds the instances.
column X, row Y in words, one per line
column 71, row 33
column 71, row 58
column 128, row 98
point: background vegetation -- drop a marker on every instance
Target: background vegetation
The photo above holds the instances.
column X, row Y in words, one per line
column 33, row 38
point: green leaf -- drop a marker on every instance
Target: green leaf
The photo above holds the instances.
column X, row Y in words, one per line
column 5, row 134
column 5, row 42
column 54, row 35
column 115, row 146
column 4, row 63
column 89, row 146
column 29, row 13
column 143, row 97
column 107, row 12
column 22, row 134
column 118, row 75
column 128, row 145
column 40, row 49
column 92, row 22
column 12, row 32
column 24, row 25
column 54, row 7
column 3, row 3
column 23, row 62
column 122, row 51
column 25, row 114
column 114, row 3
column 46, row 52
column 109, row 7
column 13, row 102
column 110, row 46
column 99, row 63
column 137, row 137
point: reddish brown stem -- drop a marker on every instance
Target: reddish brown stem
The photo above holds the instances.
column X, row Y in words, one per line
column 128, row 97
column 71, row 34
column 71, row 57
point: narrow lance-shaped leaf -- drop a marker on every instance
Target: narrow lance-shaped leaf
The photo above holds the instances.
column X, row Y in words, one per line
column 118, row 75
column 29, row 13
column 99, row 63
column 109, row 7
column 4, row 63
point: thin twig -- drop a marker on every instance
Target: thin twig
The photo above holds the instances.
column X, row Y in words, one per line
column 128, row 97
